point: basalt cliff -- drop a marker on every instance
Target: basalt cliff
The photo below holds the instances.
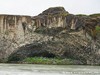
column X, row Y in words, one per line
column 53, row 33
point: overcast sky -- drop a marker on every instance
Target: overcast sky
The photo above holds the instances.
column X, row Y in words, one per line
column 34, row 7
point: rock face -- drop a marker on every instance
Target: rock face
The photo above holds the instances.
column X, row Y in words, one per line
column 52, row 17
column 58, row 42
column 13, row 29
column 53, row 33
column 74, row 22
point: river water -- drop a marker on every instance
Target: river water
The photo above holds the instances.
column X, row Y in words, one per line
column 32, row 69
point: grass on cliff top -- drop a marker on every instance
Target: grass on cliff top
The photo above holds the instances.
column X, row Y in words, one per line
column 95, row 15
column 44, row 60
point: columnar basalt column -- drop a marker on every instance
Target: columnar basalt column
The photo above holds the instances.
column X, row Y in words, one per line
column 39, row 23
column 15, row 20
column 73, row 23
column 59, row 22
column 54, row 20
column 64, row 23
column 7, row 25
column 1, row 24
column 4, row 26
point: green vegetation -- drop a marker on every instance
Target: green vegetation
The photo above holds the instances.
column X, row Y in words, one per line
column 95, row 15
column 63, row 14
column 44, row 60
column 97, row 28
column 81, row 15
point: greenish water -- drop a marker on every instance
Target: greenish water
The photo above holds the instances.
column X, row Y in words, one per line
column 32, row 69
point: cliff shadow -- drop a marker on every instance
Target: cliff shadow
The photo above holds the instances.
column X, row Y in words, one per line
column 49, row 31
column 29, row 50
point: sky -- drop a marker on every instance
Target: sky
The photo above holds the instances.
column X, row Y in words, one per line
column 34, row 7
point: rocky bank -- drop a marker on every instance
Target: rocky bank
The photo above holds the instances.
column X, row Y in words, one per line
column 53, row 33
